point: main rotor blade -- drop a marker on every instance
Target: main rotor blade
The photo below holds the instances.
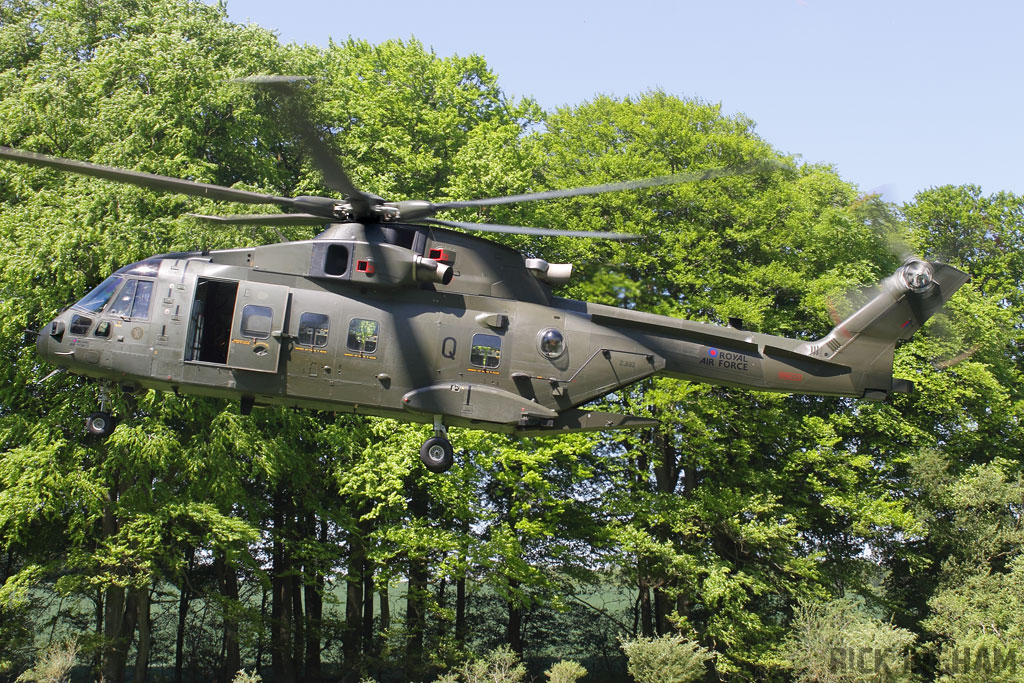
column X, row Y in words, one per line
column 299, row 120
column 143, row 179
column 520, row 230
column 656, row 181
column 264, row 219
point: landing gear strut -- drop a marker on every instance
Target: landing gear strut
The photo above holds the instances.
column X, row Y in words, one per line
column 436, row 453
column 101, row 423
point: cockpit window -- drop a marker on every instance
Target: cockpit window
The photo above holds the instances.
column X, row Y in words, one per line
column 140, row 309
column 95, row 300
column 133, row 300
column 148, row 267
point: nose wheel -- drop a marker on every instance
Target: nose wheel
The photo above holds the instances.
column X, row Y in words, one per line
column 436, row 453
column 101, row 423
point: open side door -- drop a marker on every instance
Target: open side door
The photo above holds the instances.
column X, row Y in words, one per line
column 257, row 328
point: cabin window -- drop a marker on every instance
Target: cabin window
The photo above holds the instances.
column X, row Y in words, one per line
column 313, row 328
column 133, row 300
column 256, row 321
column 362, row 335
column 486, row 351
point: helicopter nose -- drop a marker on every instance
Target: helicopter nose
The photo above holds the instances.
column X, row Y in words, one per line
column 50, row 339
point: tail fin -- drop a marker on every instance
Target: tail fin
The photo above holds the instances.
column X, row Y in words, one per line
column 867, row 339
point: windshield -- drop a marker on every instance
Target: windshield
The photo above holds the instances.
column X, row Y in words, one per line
column 148, row 267
column 95, row 300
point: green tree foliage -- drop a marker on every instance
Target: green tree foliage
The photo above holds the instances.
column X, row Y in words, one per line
column 980, row 624
column 954, row 443
column 742, row 501
column 974, row 519
column 187, row 494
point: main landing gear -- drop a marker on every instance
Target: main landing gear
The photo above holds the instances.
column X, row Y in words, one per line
column 436, row 453
column 101, row 423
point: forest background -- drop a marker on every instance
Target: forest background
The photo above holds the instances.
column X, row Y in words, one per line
column 773, row 530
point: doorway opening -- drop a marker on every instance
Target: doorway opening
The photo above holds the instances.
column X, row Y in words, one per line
column 210, row 323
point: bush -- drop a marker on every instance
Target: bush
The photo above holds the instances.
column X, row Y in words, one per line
column 54, row 664
column 668, row 659
column 500, row 665
column 244, row 676
column 565, row 672
column 839, row 642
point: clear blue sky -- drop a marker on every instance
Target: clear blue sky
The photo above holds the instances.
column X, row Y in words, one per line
column 898, row 95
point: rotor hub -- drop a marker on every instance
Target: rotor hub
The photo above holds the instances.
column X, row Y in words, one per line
column 916, row 276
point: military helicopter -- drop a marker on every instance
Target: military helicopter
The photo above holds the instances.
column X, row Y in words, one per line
column 390, row 312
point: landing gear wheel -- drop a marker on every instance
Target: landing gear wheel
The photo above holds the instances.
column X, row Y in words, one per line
column 437, row 454
column 99, row 424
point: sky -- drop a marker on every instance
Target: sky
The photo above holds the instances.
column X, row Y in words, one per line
column 898, row 95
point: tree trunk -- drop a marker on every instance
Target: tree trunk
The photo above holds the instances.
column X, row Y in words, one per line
column 315, row 610
column 646, row 612
column 113, row 610
column 298, row 622
column 416, row 618
column 666, row 476
column 119, row 613
column 661, row 613
column 646, row 615
column 384, row 600
column 351, row 638
column 314, row 621
column 119, row 627
column 683, row 606
column 259, row 638
column 416, row 597
column 441, row 594
column 368, row 607
column 460, row 610
column 281, row 661
column 514, row 629
column 227, row 580
column 145, row 637
column 183, row 603
column 97, row 661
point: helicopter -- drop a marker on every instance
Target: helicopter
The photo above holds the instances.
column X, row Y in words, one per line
column 391, row 312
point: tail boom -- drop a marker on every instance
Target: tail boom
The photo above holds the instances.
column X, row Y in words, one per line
column 854, row 359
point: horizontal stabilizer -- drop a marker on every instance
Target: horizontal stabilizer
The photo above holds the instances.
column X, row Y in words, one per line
column 819, row 366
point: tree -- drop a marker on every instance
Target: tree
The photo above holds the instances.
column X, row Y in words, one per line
column 166, row 500
column 964, row 420
column 741, row 502
column 974, row 520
